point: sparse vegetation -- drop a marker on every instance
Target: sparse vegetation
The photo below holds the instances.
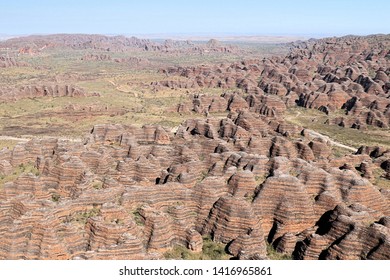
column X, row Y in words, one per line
column 250, row 197
column 272, row 254
column 97, row 185
column 214, row 250
column 202, row 176
column 143, row 170
column 139, row 220
column 315, row 120
column 179, row 252
column 380, row 181
column 210, row 251
column 260, row 179
column 294, row 172
column 23, row 168
column 82, row 217
column 10, row 144
column 121, row 86
column 339, row 152
column 55, row 197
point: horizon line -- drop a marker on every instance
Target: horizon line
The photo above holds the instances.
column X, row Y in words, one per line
column 197, row 35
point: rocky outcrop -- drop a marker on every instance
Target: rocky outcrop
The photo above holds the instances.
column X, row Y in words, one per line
column 242, row 178
column 39, row 43
column 317, row 74
column 6, row 62
column 346, row 233
column 14, row 94
column 134, row 61
column 96, row 57
column 136, row 192
column 229, row 218
column 284, row 205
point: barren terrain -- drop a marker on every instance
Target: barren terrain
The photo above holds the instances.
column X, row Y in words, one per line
column 116, row 147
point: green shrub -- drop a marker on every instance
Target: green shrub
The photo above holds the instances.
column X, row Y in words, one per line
column 210, row 251
column 55, row 197
column 272, row 254
column 139, row 220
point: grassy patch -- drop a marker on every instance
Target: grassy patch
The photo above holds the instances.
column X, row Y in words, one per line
column 55, row 197
column 339, row 152
column 181, row 253
column 260, row 179
column 19, row 170
column 123, row 87
column 82, row 217
column 214, row 250
column 139, row 220
column 10, row 144
column 202, row 176
column 210, row 251
column 272, row 254
column 380, row 181
column 315, row 120
column 97, row 185
column 51, row 116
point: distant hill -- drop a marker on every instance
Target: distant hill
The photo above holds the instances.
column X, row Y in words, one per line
column 37, row 43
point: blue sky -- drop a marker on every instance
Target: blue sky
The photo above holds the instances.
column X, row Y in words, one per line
column 239, row 17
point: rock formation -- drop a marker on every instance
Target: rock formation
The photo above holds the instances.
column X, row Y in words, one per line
column 237, row 172
column 135, row 192
column 14, row 94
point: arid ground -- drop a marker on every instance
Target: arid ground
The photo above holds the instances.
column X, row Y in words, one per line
column 116, row 147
